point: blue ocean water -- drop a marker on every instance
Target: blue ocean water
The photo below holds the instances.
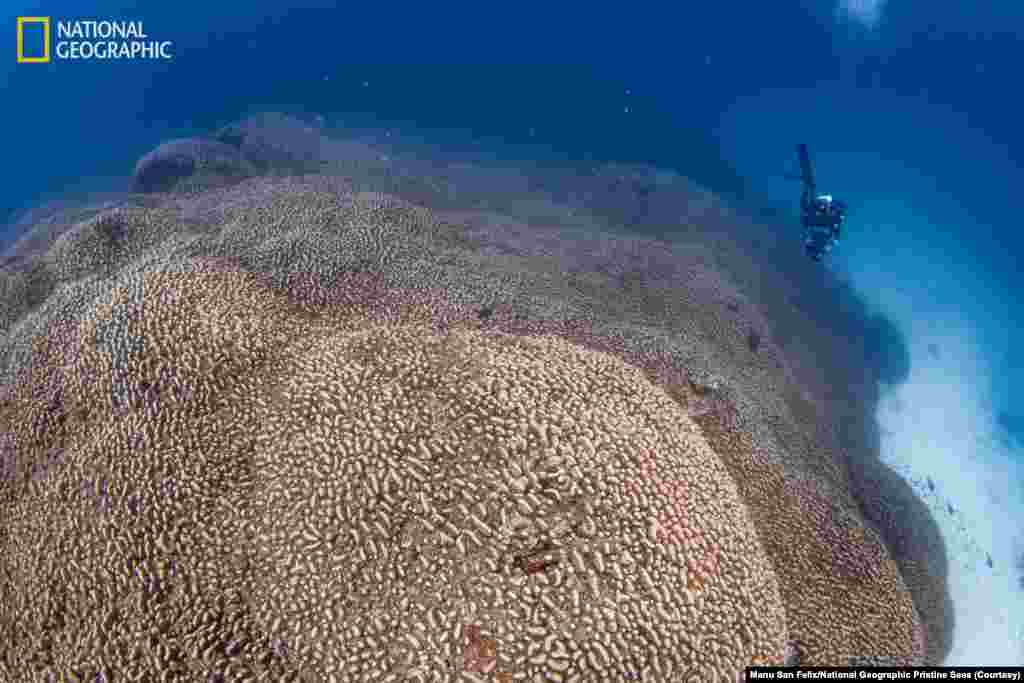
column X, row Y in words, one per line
column 911, row 110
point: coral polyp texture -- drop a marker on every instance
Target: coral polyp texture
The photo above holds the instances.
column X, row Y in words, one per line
column 290, row 429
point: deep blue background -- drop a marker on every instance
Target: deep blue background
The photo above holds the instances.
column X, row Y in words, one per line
column 562, row 70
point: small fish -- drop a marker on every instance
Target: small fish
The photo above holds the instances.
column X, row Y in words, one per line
column 988, row 560
column 931, row 484
column 952, row 510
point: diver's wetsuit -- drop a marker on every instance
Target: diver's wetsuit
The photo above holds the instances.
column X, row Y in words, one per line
column 822, row 219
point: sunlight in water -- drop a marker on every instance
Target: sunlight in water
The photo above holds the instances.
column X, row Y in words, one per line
column 866, row 12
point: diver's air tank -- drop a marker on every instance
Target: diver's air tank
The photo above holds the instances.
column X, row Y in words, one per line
column 805, row 167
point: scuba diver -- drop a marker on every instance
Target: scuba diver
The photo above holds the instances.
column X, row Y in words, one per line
column 821, row 216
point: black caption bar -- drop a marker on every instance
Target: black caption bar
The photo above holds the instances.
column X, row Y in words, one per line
column 922, row 673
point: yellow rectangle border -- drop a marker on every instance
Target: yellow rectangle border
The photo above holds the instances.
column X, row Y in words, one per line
column 45, row 21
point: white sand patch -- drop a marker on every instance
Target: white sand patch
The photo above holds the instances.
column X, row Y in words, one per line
column 940, row 424
column 937, row 427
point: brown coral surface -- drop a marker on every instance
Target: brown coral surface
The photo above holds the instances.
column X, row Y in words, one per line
column 295, row 430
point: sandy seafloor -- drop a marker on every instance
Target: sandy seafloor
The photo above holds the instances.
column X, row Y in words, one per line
column 940, row 433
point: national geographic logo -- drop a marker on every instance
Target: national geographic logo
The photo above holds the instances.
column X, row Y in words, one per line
column 26, row 53
column 87, row 39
